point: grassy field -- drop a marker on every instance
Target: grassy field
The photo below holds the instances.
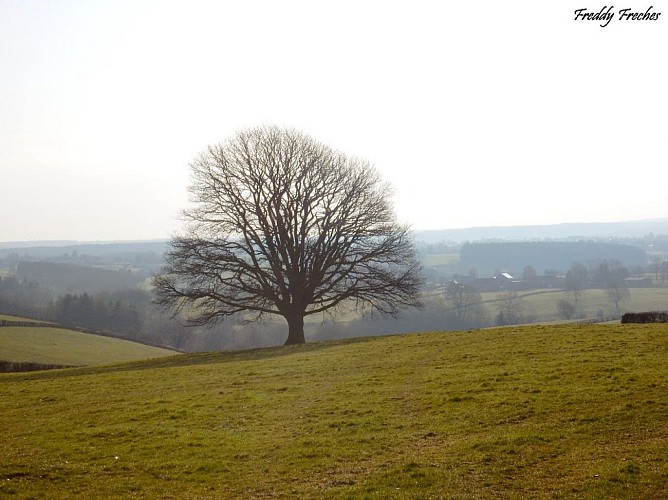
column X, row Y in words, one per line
column 542, row 304
column 5, row 317
column 59, row 346
column 527, row 412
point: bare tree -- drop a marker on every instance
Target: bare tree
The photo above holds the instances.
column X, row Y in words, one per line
column 566, row 309
column 656, row 262
column 511, row 307
column 282, row 224
column 464, row 307
column 618, row 292
column 576, row 281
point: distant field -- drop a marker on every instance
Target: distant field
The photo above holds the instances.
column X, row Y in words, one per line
column 566, row 411
column 439, row 259
column 16, row 318
column 66, row 347
column 543, row 303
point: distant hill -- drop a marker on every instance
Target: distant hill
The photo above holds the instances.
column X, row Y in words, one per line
column 630, row 229
column 68, row 278
column 65, row 266
column 513, row 256
column 626, row 229
column 60, row 346
column 98, row 249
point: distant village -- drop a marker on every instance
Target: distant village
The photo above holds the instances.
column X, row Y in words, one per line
column 502, row 282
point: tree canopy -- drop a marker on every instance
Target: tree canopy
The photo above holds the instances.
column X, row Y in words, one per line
column 282, row 224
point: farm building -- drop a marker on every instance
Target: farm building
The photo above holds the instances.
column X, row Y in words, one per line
column 637, row 281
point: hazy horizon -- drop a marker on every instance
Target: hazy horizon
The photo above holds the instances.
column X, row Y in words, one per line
column 484, row 115
column 473, row 229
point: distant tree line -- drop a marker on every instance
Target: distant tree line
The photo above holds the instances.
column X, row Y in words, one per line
column 70, row 278
column 124, row 313
column 542, row 255
column 114, row 312
column 102, row 313
column 22, row 297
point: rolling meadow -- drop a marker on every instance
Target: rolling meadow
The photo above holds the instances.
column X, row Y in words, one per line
column 543, row 411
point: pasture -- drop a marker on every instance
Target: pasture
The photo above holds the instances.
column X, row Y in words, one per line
column 542, row 304
column 567, row 411
column 60, row 346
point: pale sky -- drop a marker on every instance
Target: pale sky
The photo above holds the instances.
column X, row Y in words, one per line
column 478, row 113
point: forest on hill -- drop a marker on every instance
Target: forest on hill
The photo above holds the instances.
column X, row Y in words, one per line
column 554, row 256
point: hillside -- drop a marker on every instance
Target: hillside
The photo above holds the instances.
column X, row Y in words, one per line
column 69, row 278
column 627, row 229
column 60, row 346
column 531, row 412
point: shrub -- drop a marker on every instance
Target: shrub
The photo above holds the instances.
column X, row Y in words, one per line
column 646, row 317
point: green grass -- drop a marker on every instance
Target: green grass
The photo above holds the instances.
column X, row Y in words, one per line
column 59, row 346
column 6, row 317
column 527, row 412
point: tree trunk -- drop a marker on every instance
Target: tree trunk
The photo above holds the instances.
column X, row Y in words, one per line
column 295, row 328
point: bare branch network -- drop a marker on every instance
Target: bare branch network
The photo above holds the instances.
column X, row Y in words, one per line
column 282, row 224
